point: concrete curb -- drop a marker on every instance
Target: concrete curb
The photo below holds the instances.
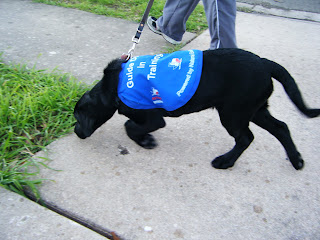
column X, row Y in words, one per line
column 244, row 7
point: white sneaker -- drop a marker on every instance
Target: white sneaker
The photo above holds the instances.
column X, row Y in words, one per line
column 152, row 24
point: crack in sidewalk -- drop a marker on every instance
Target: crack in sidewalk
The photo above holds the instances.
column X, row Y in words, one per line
column 80, row 220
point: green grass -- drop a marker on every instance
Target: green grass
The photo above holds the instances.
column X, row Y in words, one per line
column 131, row 10
column 244, row 9
column 35, row 109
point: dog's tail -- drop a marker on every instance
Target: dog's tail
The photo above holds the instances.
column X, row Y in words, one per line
column 283, row 76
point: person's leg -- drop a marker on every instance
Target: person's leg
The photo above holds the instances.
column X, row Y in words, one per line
column 221, row 16
column 175, row 15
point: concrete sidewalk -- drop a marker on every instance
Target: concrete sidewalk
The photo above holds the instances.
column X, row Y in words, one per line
column 170, row 192
column 20, row 218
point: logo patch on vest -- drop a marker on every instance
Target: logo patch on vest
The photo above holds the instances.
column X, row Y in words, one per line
column 156, row 96
column 175, row 63
column 161, row 81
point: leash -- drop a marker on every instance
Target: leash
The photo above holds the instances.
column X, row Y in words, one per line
column 136, row 37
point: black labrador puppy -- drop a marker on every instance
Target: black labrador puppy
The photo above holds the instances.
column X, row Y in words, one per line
column 236, row 82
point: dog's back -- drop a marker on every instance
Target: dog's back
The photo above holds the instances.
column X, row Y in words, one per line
column 230, row 77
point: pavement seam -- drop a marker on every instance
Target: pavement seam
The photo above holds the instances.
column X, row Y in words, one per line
column 73, row 217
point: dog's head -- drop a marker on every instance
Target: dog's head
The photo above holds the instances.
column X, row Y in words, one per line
column 90, row 113
column 99, row 104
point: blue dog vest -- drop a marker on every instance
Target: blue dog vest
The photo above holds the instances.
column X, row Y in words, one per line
column 161, row 81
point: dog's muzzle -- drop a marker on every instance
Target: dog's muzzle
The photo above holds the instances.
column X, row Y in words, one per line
column 79, row 132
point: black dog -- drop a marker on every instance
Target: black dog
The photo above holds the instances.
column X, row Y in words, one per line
column 236, row 82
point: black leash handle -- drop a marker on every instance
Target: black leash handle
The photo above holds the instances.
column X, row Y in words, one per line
column 143, row 21
column 136, row 37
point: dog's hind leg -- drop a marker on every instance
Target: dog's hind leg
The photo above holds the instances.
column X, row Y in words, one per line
column 237, row 128
column 140, row 125
column 227, row 160
column 280, row 130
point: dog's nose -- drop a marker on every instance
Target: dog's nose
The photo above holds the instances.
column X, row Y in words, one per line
column 78, row 131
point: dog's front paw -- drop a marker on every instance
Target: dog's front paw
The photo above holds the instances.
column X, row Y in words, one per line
column 147, row 142
column 222, row 162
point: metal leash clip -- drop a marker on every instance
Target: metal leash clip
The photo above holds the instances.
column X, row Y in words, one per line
column 131, row 50
column 136, row 38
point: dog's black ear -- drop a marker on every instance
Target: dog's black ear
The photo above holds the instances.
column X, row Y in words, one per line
column 105, row 99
